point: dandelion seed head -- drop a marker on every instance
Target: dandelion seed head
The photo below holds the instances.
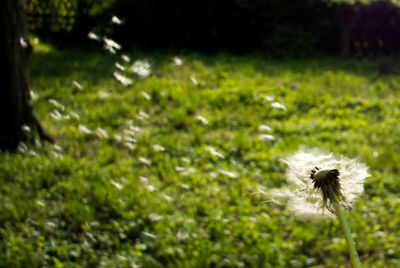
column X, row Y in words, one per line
column 317, row 179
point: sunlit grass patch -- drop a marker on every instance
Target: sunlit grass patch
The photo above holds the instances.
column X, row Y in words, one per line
column 170, row 170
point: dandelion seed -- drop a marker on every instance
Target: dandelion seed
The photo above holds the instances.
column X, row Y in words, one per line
column 26, row 128
column 150, row 187
column 93, row 36
column 266, row 137
column 33, row 95
column 155, row 217
column 103, row 95
column 149, row 235
column 119, row 66
column 118, row 138
column 180, row 169
column 228, row 173
column 56, row 155
column 143, row 180
column 57, row 104
column 40, row 203
column 375, row 154
column 141, row 68
column 32, row 153
column 116, row 20
column 110, row 49
column 319, row 180
column 22, row 147
column 194, row 80
column 185, row 186
column 101, row 133
column 158, row 148
column 177, row 61
column 130, row 139
column 146, row 95
column 143, row 116
column 124, row 80
column 214, row 152
column 84, row 129
column 181, row 236
column 202, row 119
column 125, row 58
column 167, row 197
column 264, row 128
column 111, row 46
column 111, row 43
column 278, row 105
column 185, row 160
column 74, row 115
column 144, row 161
column 117, row 185
column 57, row 148
column 56, row 115
column 77, row 85
column 268, row 98
column 130, row 146
column 23, row 43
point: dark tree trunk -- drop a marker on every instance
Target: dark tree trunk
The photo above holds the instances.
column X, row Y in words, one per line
column 15, row 106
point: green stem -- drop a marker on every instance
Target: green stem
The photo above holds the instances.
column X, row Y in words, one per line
column 350, row 243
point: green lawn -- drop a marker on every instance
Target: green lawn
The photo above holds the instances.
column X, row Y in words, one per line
column 167, row 172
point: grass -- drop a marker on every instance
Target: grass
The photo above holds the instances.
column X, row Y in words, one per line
column 114, row 198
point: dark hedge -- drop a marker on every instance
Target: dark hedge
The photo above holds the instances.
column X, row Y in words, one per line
column 276, row 27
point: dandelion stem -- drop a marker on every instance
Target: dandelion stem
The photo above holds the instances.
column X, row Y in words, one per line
column 350, row 243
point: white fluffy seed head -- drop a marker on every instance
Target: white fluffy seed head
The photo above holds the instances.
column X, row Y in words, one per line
column 303, row 197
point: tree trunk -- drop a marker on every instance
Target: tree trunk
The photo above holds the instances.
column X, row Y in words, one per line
column 15, row 106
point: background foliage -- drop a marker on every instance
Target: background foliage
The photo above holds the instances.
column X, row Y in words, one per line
column 277, row 27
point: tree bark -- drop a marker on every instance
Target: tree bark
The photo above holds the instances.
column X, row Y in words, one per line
column 15, row 106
